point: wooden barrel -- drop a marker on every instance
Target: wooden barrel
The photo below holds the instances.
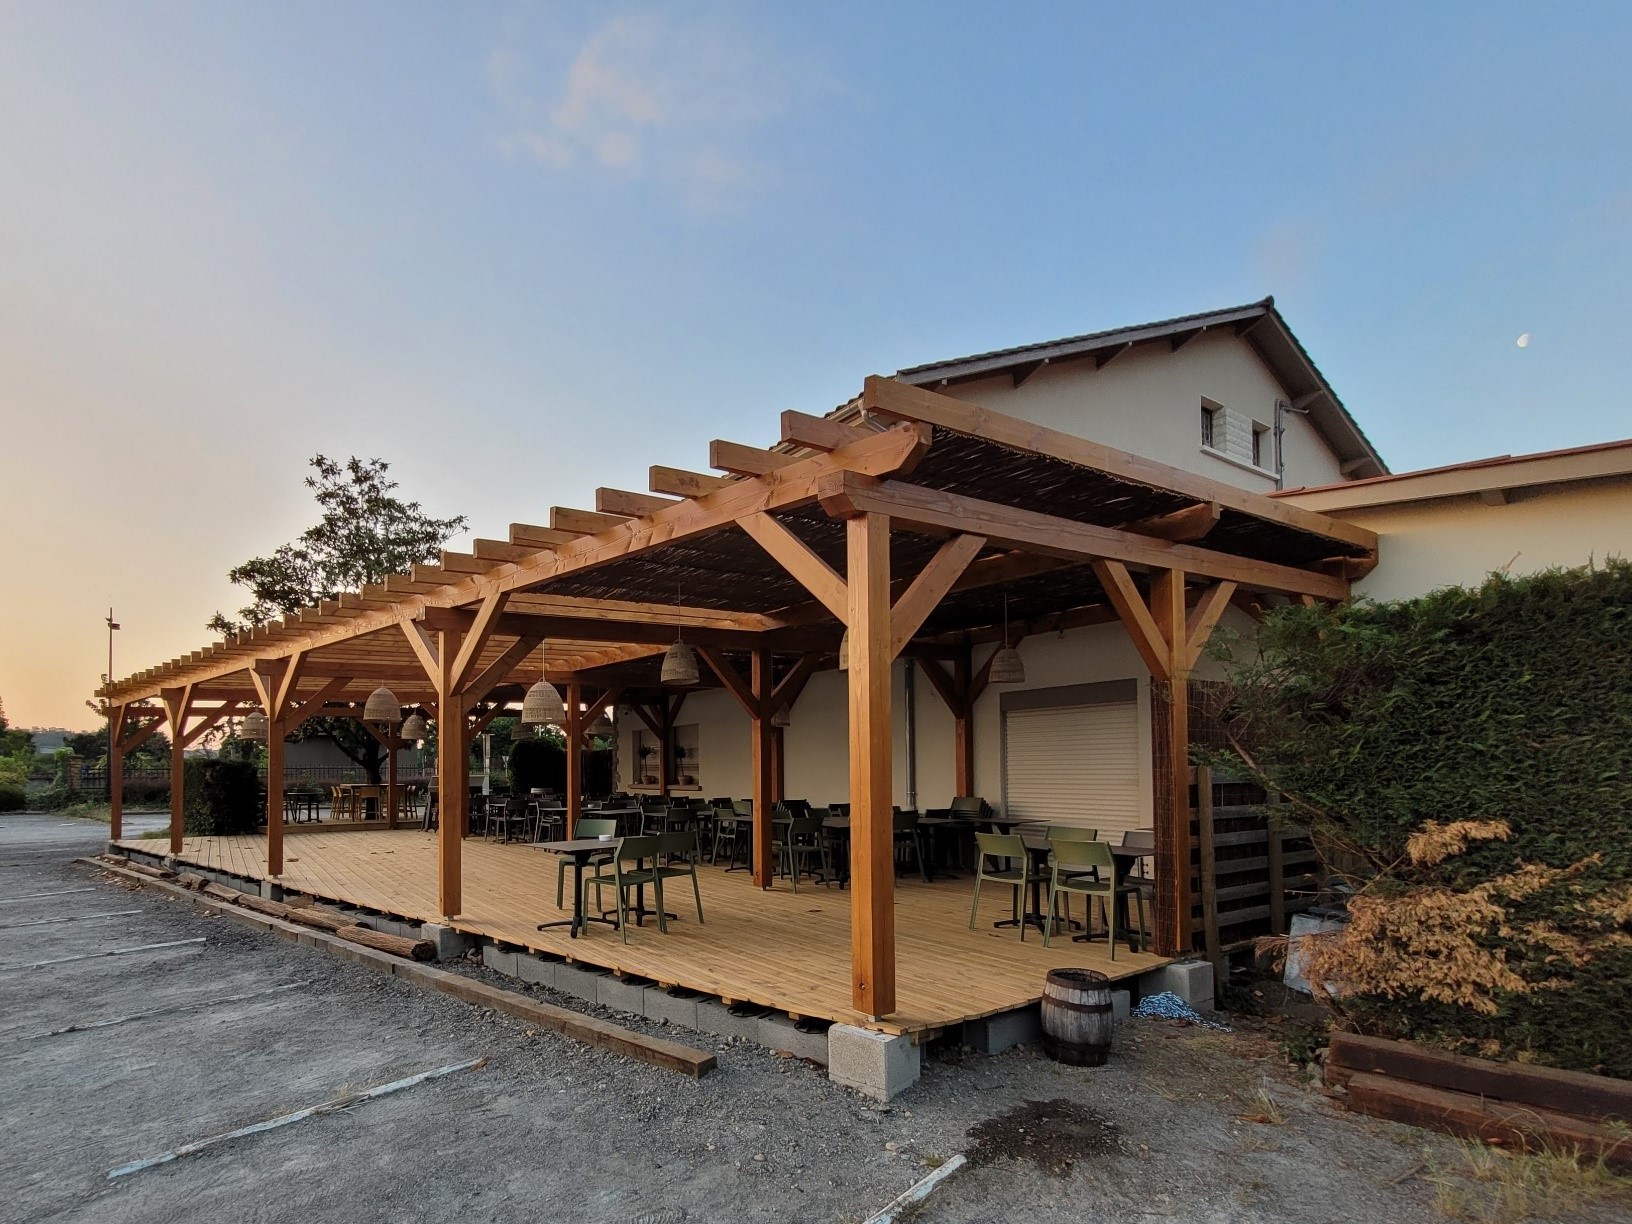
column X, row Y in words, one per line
column 1077, row 1017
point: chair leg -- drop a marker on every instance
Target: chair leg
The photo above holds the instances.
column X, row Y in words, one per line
column 974, row 902
column 1107, row 906
column 657, row 892
column 1048, row 923
column 560, row 880
column 697, row 893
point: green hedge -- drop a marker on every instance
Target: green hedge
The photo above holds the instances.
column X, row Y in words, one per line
column 221, row 798
column 1511, row 702
column 13, row 798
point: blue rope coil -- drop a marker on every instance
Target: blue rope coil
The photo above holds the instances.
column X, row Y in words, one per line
column 1168, row 1006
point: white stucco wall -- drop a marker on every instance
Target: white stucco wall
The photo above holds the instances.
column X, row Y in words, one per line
column 1148, row 402
column 1458, row 541
column 817, row 740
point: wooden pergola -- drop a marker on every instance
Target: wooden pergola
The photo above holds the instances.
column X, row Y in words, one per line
column 906, row 525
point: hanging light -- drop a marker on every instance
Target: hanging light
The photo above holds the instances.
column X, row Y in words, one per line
column 254, row 726
column 844, row 651
column 680, row 663
column 603, row 724
column 382, row 707
column 1007, row 666
column 542, row 705
column 782, row 718
column 414, row 727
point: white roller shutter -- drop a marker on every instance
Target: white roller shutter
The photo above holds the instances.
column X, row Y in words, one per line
column 1074, row 765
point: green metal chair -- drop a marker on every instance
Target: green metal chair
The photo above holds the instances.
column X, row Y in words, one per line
column 1088, row 869
column 797, row 842
column 677, row 855
column 588, row 826
column 1071, row 833
column 627, row 874
column 1006, row 848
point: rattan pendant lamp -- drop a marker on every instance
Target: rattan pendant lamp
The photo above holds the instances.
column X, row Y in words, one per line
column 254, row 726
column 1007, row 666
column 382, row 707
column 680, row 662
column 414, row 727
column 542, row 705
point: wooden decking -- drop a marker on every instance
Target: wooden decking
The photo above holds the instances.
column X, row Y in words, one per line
column 775, row 948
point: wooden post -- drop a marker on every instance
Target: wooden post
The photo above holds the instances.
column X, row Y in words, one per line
column 1172, row 827
column 575, row 754
column 177, row 703
column 275, row 731
column 393, row 743
column 779, row 764
column 963, row 728
column 872, row 891
column 665, row 749
column 453, row 785
column 761, row 751
column 116, row 771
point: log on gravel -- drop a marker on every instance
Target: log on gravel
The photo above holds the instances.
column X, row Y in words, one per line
column 221, row 892
column 272, row 909
column 1472, row 1117
column 156, row 873
column 191, row 881
column 409, row 949
column 321, row 919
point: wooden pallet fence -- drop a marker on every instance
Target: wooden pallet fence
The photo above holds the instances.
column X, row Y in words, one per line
column 1249, row 877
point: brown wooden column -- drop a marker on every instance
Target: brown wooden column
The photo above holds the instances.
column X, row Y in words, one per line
column 393, row 744
column 575, row 754
column 116, row 771
column 872, row 887
column 276, row 730
column 779, row 764
column 1172, row 826
column 453, row 787
column 761, row 740
column 963, row 727
column 177, row 704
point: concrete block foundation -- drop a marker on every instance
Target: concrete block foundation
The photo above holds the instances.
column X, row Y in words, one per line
column 679, row 1009
column 780, row 1033
column 994, row 1034
column 1192, row 981
column 450, row 944
column 535, row 969
column 717, row 1018
column 578, row 982
column 499, row 961
column 874, row 1064
column 621, row 995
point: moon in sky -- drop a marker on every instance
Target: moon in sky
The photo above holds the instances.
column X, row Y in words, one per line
column 1524, row 340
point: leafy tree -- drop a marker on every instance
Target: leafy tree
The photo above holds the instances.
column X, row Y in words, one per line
column 151, row 753
column 13, row 743
column 364, row 533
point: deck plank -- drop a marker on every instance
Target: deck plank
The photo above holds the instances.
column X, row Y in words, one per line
column 774, row 947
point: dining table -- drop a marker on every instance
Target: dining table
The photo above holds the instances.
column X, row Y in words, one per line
column 1126, row 859
column 580, row 850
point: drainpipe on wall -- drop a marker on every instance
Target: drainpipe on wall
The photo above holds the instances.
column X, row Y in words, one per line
column 1281, row 409
column 912, row 738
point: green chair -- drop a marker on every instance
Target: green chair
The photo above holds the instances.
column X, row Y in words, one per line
column 588, row 826
column 1006, row 848
column 677, row 855
column 1071, row 833
column 628, row 873
column 1088, row 869
column 797, row 842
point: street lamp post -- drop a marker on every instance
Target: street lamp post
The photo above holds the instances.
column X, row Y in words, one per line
column 113, row 626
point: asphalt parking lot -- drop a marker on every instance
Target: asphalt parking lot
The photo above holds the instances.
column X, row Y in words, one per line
column 225, row 1026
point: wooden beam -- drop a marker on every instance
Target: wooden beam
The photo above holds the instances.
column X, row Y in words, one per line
column 496, row 672
column 452, row 765
column 116, row 769
column 732, row 679
column 625, row 504
column 536, row 537
column 1203, row 618
column 945, row 686
column 475, row 640
column 931, row 510
column 583, row 522
column 501, row 550
column 797, row 557
column 791, row 685
column 312, row 707
column 798, row 484
column 424, row 648
column 900, row 401
column 872, row 834
column 466, row 563
column 682, row 483
column 1182, row 526
column 742, row 460
column 930, row 587
column 1136, row 618
column 819, row 433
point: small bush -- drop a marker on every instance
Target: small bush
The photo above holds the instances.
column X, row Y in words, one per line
column 13, row 798
column 222, row 798
column 537, row 762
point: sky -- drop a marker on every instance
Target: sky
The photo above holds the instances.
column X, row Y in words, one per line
column 523, row 250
